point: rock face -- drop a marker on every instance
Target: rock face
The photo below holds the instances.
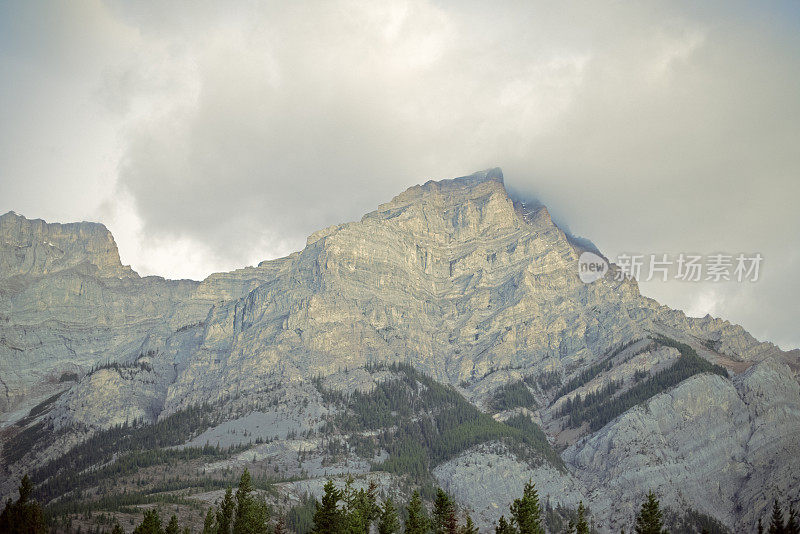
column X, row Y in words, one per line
column 698, row 442
column 67, row 304
column 456, row 277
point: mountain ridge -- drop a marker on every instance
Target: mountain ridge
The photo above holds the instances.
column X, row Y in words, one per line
column 456, row 278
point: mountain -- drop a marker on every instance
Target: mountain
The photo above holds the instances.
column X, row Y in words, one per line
column 445, row 338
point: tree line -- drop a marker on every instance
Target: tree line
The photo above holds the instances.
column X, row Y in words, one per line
column 351, row 511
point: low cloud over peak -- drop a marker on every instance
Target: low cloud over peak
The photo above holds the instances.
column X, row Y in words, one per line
column 216, row 135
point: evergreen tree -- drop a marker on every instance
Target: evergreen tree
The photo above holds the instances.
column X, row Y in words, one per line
column 451, row 522
column 24, row 515
column 209, row 526
column 328, row 518
column 776, row 526
column 417, row 522
column 151, row 524
column 362, row 507
column 469, row 527
column 117, row 528
column 792, row 526
column 443, row 509
column 389, row 522
column 581, row 527
column 172, row 526
column 225, row 513
column 760, row 527
column 526, row 514
column 252, row 515
column 649, row 519
column 503, row 527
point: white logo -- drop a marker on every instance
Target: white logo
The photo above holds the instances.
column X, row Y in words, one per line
column 591, row 267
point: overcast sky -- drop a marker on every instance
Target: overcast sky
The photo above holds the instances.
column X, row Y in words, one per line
column 212, row 135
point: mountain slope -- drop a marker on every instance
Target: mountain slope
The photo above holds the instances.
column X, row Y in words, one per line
column 467, row 285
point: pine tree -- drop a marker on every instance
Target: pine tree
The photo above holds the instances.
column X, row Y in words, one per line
column 417, row 522
column 776, row 526
column 209, row 526
column 24, row 515
column 117, row 529
column 469, row 527
column 526, row 514
column 225, row 513
column 251, row 515
column 792, row 526
column 760, row 527
column 172, row 526
column 649, row 519
column 503, row 527
column 443, row 509
column 581, row 527
column 151, row 524
column 389, row 522
column 328, row 519
column 362, row 507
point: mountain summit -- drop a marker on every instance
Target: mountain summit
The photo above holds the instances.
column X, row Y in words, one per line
column 454, row 279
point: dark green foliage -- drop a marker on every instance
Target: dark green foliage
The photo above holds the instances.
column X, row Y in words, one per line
column 594, row 370
column 126, row 464
column 252, row 514
column 606, row 407
column 425, row 423
column 776, row 525
column 172, row 526
column 389, row 521
column 585, row 407
column 512, row 395
column 581, row 526
column 443, row 512
column 792, row 526
column 68, row 376
column 38, row 410
column 526, row 513
column 469, row 527
column 503, row 527
column 19, row 445
column 329, row 518
column 561, row 519
column 693, row 521
column 225, row 513
column 361, row 507
column 649, row 519
column 210, row 524
column 119, row 367
column 585, row 376
column 546, row 381
column 142, row 442
column 300, row 518
column 151, row 524
column 24, row 515
column 417, row 521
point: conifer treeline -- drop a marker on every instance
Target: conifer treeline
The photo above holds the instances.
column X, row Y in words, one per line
column 351, row 511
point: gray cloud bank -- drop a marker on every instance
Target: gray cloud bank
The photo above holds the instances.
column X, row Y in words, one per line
column 211, row 135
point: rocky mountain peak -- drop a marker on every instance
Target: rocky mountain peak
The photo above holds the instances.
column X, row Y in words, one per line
column 36, row 247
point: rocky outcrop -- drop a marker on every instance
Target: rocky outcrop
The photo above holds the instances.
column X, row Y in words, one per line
column 703, row 445
column 67, row 304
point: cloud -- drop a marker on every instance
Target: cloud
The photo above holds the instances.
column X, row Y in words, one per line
column 226, row 133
